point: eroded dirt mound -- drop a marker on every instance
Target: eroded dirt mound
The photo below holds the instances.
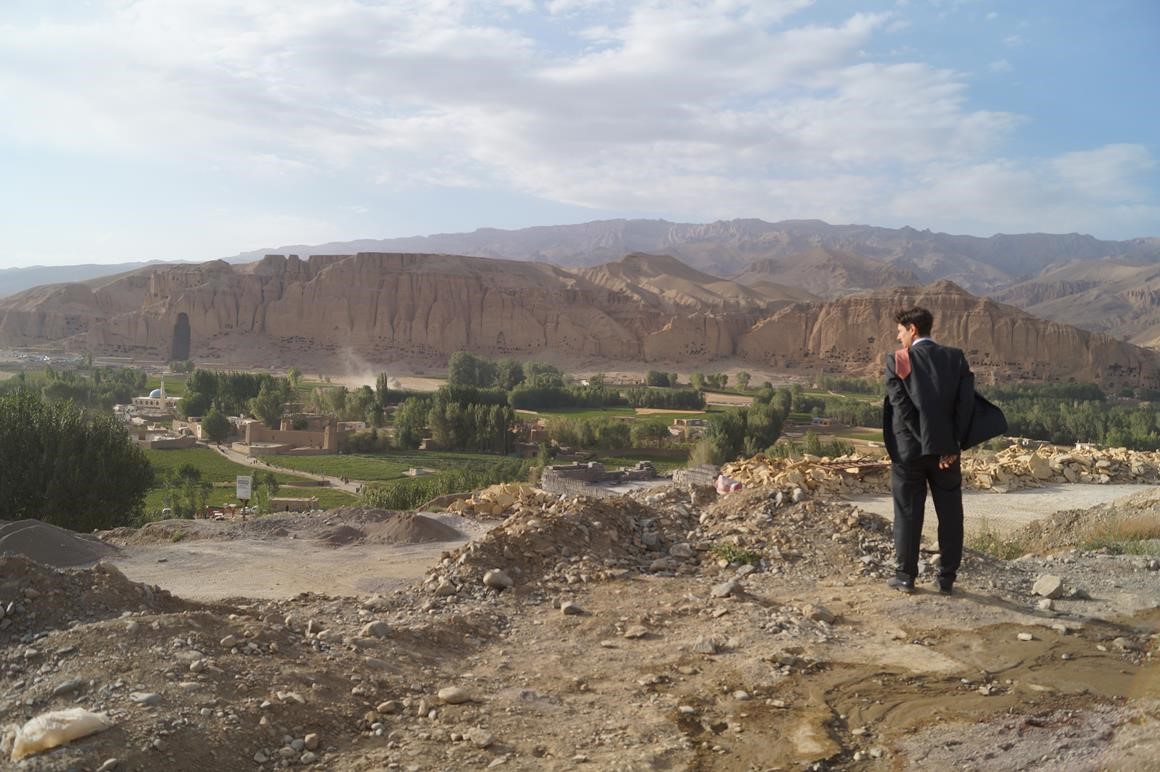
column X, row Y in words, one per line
column 360, row 515
column 816, row 534
column 669, row 531
column 50, row 544
column 45, row 598
column 402, row 528
column 408, row 528
column 1136, row 516
column 161, row 531
column 341, row 535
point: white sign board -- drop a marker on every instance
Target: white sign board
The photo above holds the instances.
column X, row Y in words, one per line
column 245, row 487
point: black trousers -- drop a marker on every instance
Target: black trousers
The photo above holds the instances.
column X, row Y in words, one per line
column 908, row 484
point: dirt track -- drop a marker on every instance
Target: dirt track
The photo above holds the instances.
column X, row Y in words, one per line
column 1005, row 512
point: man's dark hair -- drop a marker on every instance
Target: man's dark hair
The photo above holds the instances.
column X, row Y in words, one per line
column 919, row 317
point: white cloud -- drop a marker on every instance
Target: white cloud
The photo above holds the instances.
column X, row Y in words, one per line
column 565, row 7
column 1089, row 191
column 696, row 108
column 1000, row 66
column 1108, row 173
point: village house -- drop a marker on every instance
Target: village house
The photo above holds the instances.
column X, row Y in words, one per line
column 320, row 436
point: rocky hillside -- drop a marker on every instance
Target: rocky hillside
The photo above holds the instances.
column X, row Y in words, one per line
column 828, row 273
column 789, row 260
column 13, row 280
column 1114, row 296
column 385, row 307
column 661, row 280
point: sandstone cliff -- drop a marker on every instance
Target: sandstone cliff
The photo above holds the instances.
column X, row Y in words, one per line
column 383, row 307
column 1001, row 342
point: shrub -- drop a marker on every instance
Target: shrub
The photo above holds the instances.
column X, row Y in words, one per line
column 65, row 467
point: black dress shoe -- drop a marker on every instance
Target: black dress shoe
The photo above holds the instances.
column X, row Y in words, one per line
column 902, row 585
column 946, row 588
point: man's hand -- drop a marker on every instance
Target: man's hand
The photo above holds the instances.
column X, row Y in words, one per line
column 946, row 462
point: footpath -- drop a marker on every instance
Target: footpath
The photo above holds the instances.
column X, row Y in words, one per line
column 337, row 483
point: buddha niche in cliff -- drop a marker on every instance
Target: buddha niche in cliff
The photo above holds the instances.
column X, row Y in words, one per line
column 179, row 349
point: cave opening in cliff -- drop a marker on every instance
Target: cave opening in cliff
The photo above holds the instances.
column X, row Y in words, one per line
column 179, row 348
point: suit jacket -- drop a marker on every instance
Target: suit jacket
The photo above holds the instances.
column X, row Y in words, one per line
column 988, row 421
column 930, row 402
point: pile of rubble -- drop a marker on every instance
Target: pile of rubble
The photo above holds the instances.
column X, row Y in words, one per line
column 1010, row 469
column 671, row 531
column 35, row 597
column 569, row 540
column 501, row 500
column 181, row 685
column 1018, row 467
column 813, row 537
column 817, row 476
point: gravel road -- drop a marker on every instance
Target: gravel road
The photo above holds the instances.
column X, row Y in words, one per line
column 1006, row 512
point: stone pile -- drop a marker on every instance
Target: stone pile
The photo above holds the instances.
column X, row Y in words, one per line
column 817, row 476
column 1007, row 470
column 1018, row 467
column 813, row 537
column 569, row 540
column 668, row 531
column 501, row 500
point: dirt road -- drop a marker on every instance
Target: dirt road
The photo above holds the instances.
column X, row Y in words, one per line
column 271, row 463
column 1005, row 512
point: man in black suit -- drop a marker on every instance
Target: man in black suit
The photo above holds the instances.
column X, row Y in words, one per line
column 929, row 406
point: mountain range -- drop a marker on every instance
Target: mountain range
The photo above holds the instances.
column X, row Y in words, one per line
column 380, row 308
column 1103, row 286
column 728, row 248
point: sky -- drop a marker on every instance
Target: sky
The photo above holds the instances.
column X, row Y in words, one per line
column 198, row 129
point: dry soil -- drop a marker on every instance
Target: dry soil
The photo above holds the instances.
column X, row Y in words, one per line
column 627, row 634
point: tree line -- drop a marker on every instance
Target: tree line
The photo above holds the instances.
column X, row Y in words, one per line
column 1045, row 415
column 93, row 387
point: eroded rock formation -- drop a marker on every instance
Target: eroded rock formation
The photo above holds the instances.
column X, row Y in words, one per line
column 642, row 309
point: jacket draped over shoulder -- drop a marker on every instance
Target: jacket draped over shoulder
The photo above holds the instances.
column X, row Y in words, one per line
column 931, row 406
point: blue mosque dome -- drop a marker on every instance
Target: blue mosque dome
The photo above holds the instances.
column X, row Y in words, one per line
column 155, row 394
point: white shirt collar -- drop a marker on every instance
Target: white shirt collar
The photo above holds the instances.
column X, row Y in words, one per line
column 921, row 340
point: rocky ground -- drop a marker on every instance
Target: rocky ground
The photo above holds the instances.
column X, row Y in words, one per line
column 673, row 630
